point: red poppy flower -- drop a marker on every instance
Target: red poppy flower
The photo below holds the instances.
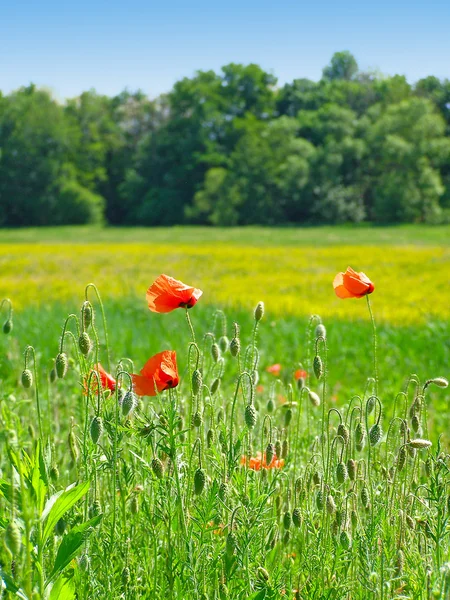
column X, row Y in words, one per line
column 274, row 369
column 167, row 294
column 258, row 462
column 106, row 379
column 352, row 284
column 300, row 373
column 158, row 374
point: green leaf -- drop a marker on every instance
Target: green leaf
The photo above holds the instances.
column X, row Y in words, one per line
column 11, row 586
column 63, row 588
column 70, row 544
column 39, row 479
column 64, row 503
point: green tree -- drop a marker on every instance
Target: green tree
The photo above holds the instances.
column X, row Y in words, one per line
column 343, row 65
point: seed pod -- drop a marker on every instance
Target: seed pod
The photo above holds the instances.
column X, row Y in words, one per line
column 250, row 416
column 343, row 431
column 321, row 331
column 210, row 437
column 235, row 346
column 278, row 448
column 126, row 576
column 197, row 419
column 134, row 504
column 13, row 538
column 230, row 543
column 375, row 434
column 223, row 490
column 128, row 403
column 27, row 378
column 420, row 444
column 287, row 417
column 287, row 520
column 401, row 459
column 215, row 352
column 224, row 344
column 86, row 314
column 215, row 385
column 365, row 499
column 262, row 572
column 314, row 398
column 259, row 311
column 345, row 540
column 370, row 404
column 199, row 481
column 73, row 447
column 270, row 407
column 270, row 452
column 53, row 375
column 296, row 517
column 284, row 449
column 320, row 500
column 60, row 527
column 415, row 423
column 7, row 326
column 352, row 469
column 157, row 467
column 54, row 473
column 96, row 429
column 331, row 505
column 197, row 381
column 341, row 472
column 318, row 367
column 84, row 343
column 61, row 365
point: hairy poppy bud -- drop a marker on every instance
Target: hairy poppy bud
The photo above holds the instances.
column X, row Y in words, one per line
column 375, row 434
column 197, row 419
column 250, row 416
column 370, row 405
column 351, row 469
column 73, row 447
column 215, row 352
column 321, row 331
column 345, row 540
column 197, row 381
column 223, row 490
column 96, row 429
column 320, row 500
column 199, row 481
column 215, row 385
column 53, row 375
column 13, row 538
column 439, row 381
column 61, row 364
column 314, row 398
column 360, row 434
column 270, row 406
column 60, row 526
column 231, row 543
column 210, row 437
column 8, row 326
column 86, row 314
column 27, row 378
column 270, row 452
column 224, row 344
column 263, row 574
column 128, row 403
column 331, row 505
column 415, row 423
column 365, row 499
column 341, row 472
column 287, row 519
column 235, row 346
column 259, row 311
column 54, row 473
column 420, row 444
column 296, row 517
column 157, row 467
column 287, row 417
column 284, row 449
column 401, row 459
column 84, row 343
column 318, row 367
column 84, row 563
column 343, row 431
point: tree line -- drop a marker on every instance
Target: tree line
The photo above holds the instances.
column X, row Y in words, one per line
column 231, row 148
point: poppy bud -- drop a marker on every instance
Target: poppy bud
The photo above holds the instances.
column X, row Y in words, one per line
column 345, row 540
column 343, row 431
column 197, row 419
column 318, row 367
column 321, row 331
column 224, row 344
column 263, row 574
column 53, row 375
column 96, row 429
column 287, row 519
column 401, row 459
column 415, row 423
column 351, row 469
column 320, row 500
column 365, row 499
column 439, row 381
column 230, row 543
column 360, row 433
column 54, row 473
column 314, row 398
column 84, row 563
column 95, row 509
column 199, row 481
column 331, row 505
column 61, row 365
column 86, row 314
column 215, row 352
column 27, row 378
column 210, row 437
column 270, row 405
column 420, row 444
column 354, row 518
column 223, row 490
column 341, row 472
column 8, row 326
column 60, row 527
column 284, row 449
column 300, row 383
column 375, row 434
column 259, row 311
column 400, row 562
column 73, row 447
column 287, row 417
column 157, row 467
column 13, row 538
column 128, row 403
column 235, row 346
column 250, row 416
column 270, row 451
column 197, row 381
column 296, row 517
column 84, row 343
column 215, row 385
column 370, row 405
column 411, row 450
column 316, row 478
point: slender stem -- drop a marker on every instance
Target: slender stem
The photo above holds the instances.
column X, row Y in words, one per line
column 375, row 363
column 188, row 319
column 105, row 328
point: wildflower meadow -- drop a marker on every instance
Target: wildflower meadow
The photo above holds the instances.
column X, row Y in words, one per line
column 153, row 445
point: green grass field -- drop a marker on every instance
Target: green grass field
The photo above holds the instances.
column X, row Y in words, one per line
column 199, row 543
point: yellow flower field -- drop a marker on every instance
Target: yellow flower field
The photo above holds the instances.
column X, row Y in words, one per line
column 411, row 282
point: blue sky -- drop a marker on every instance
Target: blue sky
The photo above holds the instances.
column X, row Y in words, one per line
column 110, row 45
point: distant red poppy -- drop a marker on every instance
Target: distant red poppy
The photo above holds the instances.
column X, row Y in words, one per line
column 158, row 374
column 166, row 294
column 300, row 373
column 258, row 462
column 352, row 284
column 106, row 379
column 274, row 369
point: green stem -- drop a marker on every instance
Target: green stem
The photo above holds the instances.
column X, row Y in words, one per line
column 105, row 328
column 188, row 319
column 375, row 363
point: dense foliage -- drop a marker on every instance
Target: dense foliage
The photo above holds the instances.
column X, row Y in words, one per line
column 231, row 148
